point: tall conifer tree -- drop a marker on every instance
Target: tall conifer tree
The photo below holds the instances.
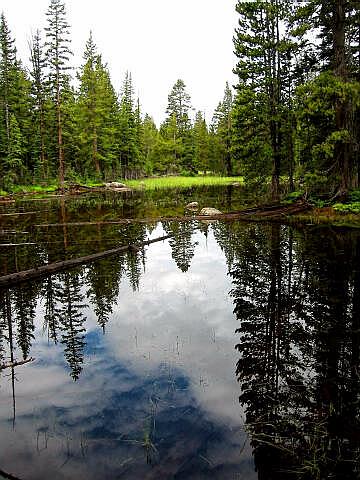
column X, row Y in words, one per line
column 37, row 72
column 58, row 55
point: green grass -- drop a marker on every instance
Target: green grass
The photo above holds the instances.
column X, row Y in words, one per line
column 18, row 189
column 180, row 182
column 155, row 183
column 42, row 189
column 92, row 184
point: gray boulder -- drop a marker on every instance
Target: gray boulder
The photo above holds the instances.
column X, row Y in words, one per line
column 115, row 185
column 210, row 211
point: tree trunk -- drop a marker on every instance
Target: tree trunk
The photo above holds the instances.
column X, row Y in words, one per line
column 342, row 151
column 44, row 166
column 95, row 152
column 60, row 143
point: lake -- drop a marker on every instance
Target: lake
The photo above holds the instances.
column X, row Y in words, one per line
column 229, row 351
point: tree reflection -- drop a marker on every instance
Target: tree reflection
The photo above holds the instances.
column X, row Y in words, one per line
column 71, row 320
column 63, row 297
column 7, row 333
column 297, row 301
column 182, row 247
column 24, row 312
column 103, row 279
column 50, row 318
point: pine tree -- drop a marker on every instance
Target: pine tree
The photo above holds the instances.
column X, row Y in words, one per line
column 37, row 73
column 15, row 110
column 201, row 143
column 8, row 66
column 88, row 102
column 15, row 151
column 170, row 147
column 264, row 49
column 150, row 141
column 139, row 130
column 57, row 55
column 222, row 127
column 96, row 114
column 179, row 104
column 178, row 126
column 129, row 149
column 328, row 105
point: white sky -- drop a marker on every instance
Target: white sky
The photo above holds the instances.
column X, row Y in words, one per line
column 158, row 41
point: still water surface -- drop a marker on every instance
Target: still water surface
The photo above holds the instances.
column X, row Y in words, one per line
column 230, row 351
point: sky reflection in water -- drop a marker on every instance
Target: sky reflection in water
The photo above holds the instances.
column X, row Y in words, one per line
column 157, row 396
column 176, row 352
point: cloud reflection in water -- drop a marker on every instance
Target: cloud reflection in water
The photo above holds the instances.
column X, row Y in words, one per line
column 157, row 397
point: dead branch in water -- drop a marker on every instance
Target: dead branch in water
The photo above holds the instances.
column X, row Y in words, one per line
column 15, row 364
column 19, row 277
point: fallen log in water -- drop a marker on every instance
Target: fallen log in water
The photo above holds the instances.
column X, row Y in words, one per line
column 19, row 277
column 266, row 212
column 15, row 364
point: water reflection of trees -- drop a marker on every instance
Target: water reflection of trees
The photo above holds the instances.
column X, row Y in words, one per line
column 297, row 299
column 182, row 246
column 64, row 297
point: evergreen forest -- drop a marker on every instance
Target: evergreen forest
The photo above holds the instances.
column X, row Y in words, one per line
column 291, row 122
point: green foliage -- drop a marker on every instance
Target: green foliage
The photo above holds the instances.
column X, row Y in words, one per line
column 318, row 203
column 222, row 134
column 292, row 197
column 179, row 104
column 294, row 114
column 355, row 195
column 315, row 182
column 353, row 207
column 96, row 116
column 316, row 113
column 57, row 60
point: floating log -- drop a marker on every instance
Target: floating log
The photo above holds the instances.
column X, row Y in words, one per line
column 44, row 270
column 15, row 364
column 267, row 212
